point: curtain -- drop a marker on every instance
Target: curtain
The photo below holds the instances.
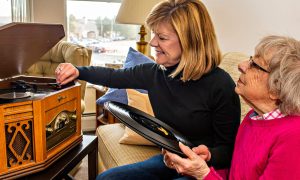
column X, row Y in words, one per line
column 21, row 10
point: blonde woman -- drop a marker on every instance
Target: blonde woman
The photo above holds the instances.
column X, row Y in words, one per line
column 187, row 89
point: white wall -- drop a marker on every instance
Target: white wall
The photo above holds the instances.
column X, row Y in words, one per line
column 240, row 24
column 49, row 11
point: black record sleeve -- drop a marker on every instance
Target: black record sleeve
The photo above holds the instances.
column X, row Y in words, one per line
column 149, row 127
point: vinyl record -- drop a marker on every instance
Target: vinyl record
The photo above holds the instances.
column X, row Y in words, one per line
column 15, row 95
column 149, row 127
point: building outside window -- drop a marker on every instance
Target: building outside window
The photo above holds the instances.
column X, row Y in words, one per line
column 92, row 24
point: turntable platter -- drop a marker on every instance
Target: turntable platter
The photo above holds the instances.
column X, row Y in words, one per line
column 15, row 95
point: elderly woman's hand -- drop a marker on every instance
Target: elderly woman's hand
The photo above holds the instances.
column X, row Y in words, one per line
column 193, row 165
column 167, row 160
column 202, row 151
column 65, row 73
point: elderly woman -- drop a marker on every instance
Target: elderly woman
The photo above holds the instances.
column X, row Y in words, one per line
column 267, row 145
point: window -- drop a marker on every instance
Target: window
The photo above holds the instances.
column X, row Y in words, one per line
column 92, row 24
column 5, row 12
column 14, row 11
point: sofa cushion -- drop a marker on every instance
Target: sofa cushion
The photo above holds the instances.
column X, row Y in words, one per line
column 119, row 95
column 113, row 154
column 140, row 101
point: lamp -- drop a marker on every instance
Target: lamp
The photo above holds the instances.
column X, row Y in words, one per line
column 135, row 12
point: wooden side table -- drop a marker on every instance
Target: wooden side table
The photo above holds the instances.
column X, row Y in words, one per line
column 61, row 168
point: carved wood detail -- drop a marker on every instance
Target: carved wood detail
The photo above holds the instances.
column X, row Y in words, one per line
column 20, row 144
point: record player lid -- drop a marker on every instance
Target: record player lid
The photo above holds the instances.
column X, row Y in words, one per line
column 22, row 44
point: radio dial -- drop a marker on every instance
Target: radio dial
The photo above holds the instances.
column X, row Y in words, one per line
column 73, row 116
column 49, row 131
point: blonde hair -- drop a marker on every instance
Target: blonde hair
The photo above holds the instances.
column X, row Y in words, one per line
column 283, row 56
column 195, row 30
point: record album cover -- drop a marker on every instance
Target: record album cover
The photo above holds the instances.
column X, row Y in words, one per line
column 149, row 127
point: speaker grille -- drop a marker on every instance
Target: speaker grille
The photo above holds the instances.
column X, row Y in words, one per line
column 19, row 146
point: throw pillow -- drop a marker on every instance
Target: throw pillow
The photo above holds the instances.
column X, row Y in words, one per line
column 119, row 95
column 140, row 101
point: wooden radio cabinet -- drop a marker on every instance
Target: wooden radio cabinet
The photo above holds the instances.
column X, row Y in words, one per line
column 36, row 132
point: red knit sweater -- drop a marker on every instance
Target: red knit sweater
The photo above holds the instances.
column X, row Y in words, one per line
column 266, row 149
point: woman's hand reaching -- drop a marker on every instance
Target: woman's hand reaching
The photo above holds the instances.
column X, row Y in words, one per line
column 65, row 73
column 193, row 165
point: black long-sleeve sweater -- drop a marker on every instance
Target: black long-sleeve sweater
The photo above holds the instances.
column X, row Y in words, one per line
column 207, row 111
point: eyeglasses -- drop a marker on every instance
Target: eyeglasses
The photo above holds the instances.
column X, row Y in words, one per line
column 255, row 65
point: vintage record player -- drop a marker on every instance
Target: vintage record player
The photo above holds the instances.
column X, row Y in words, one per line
column 39, row 120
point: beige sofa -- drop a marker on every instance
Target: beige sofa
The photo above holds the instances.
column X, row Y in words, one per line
column 112, row 153
column 62, row 52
